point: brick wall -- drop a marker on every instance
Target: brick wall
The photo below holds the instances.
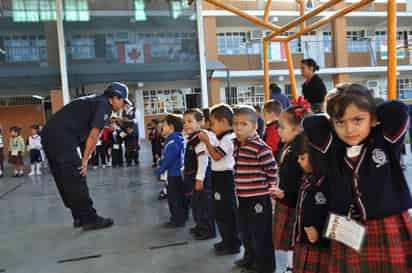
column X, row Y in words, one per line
column 22, row 116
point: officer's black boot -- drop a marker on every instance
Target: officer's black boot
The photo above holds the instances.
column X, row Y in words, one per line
column 98, row 223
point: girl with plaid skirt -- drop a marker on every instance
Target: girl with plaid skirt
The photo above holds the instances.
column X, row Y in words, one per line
column 311, row 253
column 290, row 175
column 16, row 151
column 362, row 145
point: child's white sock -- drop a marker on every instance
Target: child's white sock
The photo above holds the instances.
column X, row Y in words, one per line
column 290, row 259
column 38, row 168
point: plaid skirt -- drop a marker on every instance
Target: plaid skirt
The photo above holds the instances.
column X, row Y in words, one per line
column 284, row 221
column 310, row 259
column 387, row 248
column 16, row 160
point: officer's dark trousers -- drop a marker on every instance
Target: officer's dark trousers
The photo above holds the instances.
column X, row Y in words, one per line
column 225, row 208
column 176, row 199
column 201, row 203
column 255, row 220
column 71, row 185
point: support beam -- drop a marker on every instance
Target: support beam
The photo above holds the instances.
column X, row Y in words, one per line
column 391, row 6
column 291, row 71
column 266, row 77
column 331, row 17
column 243, row 14
column 267, row 11
column 62, row 52
column 202, row 54
column 301, row 4
column 305, row 17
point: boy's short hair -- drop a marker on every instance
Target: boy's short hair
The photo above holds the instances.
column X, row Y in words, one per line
column 247, row 111
column 35, row 127
column 196, row 112
column 206, row 113
column 273, row 106
column 175, row 120
column 222, row 111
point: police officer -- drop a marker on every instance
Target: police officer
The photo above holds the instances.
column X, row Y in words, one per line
column 76, row 124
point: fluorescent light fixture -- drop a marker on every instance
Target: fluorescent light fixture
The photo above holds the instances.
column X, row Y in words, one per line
column 176, row 9
column 139, row 10
column 275, row 19
column 37, row 97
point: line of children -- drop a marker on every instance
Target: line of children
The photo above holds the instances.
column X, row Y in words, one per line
column 1, row 153
column 34, row 147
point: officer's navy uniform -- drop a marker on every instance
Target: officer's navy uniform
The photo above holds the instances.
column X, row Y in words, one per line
column 62, row 135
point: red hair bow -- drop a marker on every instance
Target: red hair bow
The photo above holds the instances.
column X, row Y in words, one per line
column 304, row 106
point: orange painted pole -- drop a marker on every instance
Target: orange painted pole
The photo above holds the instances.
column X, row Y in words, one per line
column 301, row 4
column 243, row 14
column 291, row 71
column 266, row 76
column 305, row 17
column 331, row 17
column 267, row 11
column 391, row 9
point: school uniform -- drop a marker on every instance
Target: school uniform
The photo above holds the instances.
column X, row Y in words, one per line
column 312, row 211
column 272, row 137
column 132, row 147
column 17, row 148
column 99, row 153
column 196, row 167
column 290, row 174
column 117, row 150
column 34, row 147
column 65, row 131
column 255, row 172
column 224, row 190
column 171, row 162
column 368, row 178
column 1, row 155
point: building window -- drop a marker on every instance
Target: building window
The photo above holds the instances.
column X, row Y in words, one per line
column 76, row 10
column 356, row 41
column 33, row 10
column 25, row 48
column 405, row 88
column 82, row 47
column 247, row 95
column 163, row 101
column 327, row 41
column 232, row 43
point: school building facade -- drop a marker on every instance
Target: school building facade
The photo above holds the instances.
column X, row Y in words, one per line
column 174, row 55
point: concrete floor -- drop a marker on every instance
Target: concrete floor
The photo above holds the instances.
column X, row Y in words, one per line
column 36, row 230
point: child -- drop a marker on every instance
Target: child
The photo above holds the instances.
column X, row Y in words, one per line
column 131, row 142
column 311, row 252
column 171, row 162
column 107, row 139
column 290, row 175
column 1, row 153
column 271, row 114
column 34, row 148
column 117, row 151
column 255, row 174
column 197, row 177
column 221, row 152
column 361, row 145
column 16, row 151
column 99, row 152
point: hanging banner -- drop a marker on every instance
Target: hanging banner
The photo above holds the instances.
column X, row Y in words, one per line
column 400, row 49
column 134, row 53
column 277, row 52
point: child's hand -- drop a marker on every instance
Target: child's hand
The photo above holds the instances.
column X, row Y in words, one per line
column 312, row 234
column 199, row 185
column 203, row 137
column 277, row 193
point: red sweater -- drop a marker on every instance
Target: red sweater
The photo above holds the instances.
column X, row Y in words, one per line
column 272, row 137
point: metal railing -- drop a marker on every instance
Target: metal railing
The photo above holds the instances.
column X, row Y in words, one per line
column 22, row 55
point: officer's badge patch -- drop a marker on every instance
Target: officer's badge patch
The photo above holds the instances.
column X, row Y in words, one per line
column 106, row 117
column 320, row 198
column 258, row 208
column 217, row 196
column 379, row 157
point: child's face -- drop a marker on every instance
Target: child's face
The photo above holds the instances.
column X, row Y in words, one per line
column 167, row 129
column 13, row 133
column 244, row 128
column 270, row 116
column 304, row 163
column 219, row 126
column 287, row 130
column 190, row 124
column 355, row 125
column 129, row 130
column 33, row 132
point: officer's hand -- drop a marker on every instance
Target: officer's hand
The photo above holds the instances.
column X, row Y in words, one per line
column 199, row 185
column 312, row 234
column 83, row 167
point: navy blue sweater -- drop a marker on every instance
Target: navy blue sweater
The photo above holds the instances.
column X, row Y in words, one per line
column 375, row 184
column 172, row 156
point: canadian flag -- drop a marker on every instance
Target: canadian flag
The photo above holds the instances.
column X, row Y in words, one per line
column 134, row 54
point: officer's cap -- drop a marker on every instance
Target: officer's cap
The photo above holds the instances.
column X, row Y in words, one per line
column 121, row 90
